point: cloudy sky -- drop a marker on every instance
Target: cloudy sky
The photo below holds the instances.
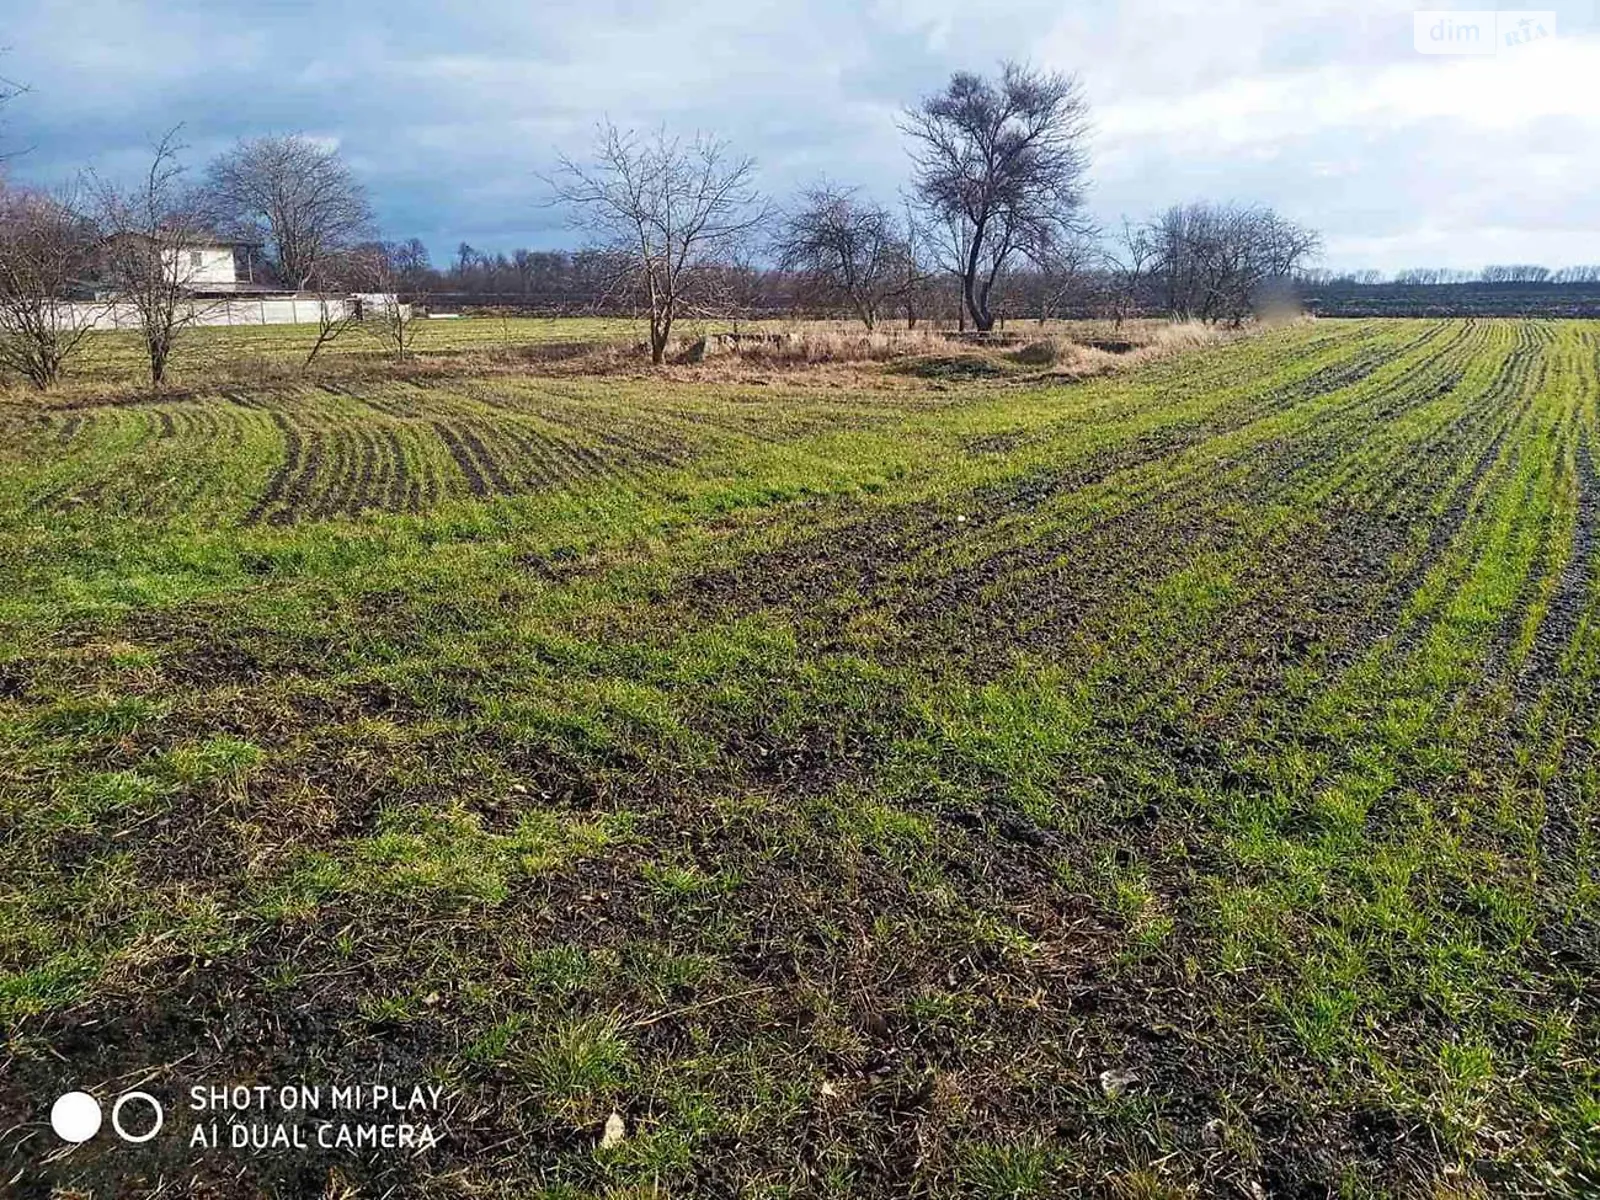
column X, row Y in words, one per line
column 450, row 112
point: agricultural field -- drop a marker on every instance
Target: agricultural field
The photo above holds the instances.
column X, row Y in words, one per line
column 215, row 357
column 1180, row 782
column 250, row 351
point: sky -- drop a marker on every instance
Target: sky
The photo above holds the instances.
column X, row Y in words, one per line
column 452, row 114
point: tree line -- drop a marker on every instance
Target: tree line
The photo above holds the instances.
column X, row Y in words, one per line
column 1434, row 276
column 991, row 224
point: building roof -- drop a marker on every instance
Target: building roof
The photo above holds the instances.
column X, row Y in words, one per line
column 238, row 287
column 203, row 241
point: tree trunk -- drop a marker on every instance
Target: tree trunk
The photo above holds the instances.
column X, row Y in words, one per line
column 158, row 360
column 977, row 298
column 982, row 318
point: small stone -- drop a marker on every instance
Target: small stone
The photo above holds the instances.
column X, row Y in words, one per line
column 616, row 1130
column 1114, row 1083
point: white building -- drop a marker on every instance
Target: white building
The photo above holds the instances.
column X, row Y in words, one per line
column 203, row 265
column 227, row 283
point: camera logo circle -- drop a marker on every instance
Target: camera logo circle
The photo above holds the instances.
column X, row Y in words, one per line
column 75, row 1117
column 155, row 1107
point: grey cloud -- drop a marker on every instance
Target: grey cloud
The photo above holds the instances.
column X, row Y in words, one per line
column 452, row 112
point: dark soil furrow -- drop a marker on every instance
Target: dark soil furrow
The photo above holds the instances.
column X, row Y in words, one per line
column 278, row 485
column 465, row 460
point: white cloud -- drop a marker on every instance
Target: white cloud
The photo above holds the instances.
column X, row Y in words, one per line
column 1554, row 79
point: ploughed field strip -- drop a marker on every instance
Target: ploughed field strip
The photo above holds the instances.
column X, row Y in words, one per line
column 1180, row 783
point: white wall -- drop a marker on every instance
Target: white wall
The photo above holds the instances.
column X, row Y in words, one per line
column 271, row 310
column 206, row 264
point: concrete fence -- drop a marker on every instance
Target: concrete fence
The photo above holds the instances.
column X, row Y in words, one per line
column 257, row 310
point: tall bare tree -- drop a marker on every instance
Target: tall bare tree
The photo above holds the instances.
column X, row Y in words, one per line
column 673, row 215
column 294, row 194
column 844, row 248
column 410, row 260
column 46, row 247
column 146, row 230
column 1000, row 164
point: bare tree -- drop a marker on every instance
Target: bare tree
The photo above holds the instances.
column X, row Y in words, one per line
column 1063, row 276
column 296, row 195
column 46, row 247
column 671, row 213
column 338, row 311
column 145, row 232
column 1000, row 163
column 1129, row 261
column 1218, row 262
column 915, row 268
column 411, row 264
column 844, row 249
column 336, row 316
column 385, row 315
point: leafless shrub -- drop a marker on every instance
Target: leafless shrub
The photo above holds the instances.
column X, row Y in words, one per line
column 1064, row 276
column 384, row 315
column 844, row 250
column 337, row 310
column 45, row 249
column 732, row 291
column 1219, row 262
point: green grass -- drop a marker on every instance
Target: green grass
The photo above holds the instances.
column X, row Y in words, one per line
column 204, row 351
column 841, row 784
